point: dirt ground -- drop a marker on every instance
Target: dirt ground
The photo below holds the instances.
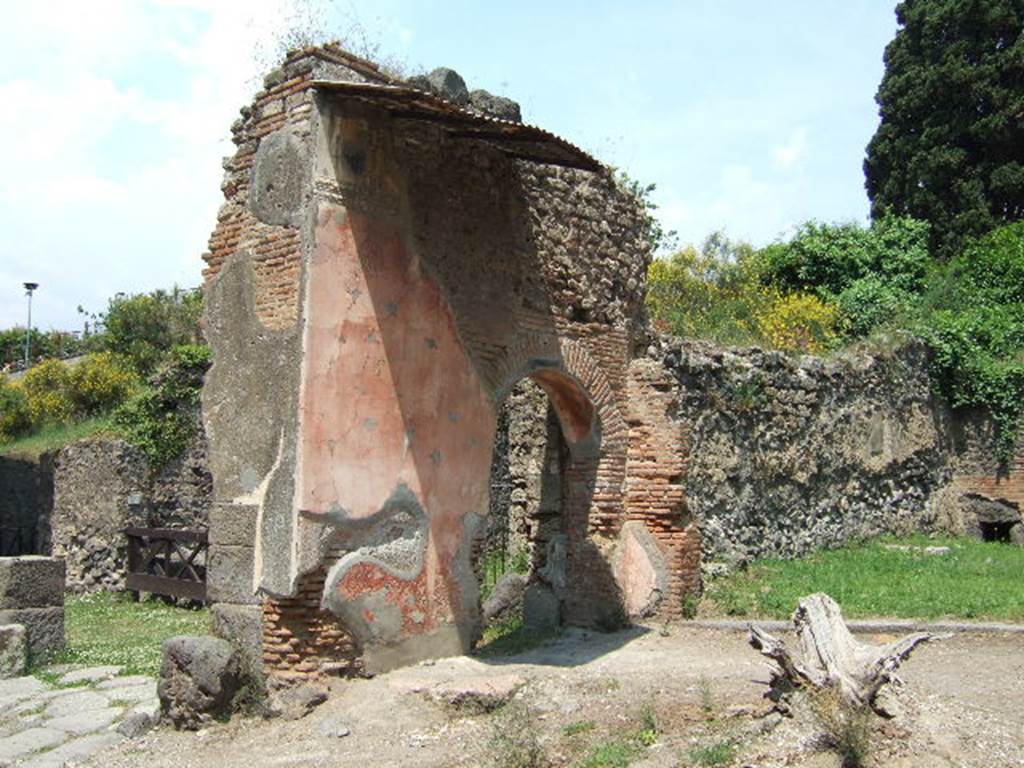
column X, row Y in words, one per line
column 584, row 695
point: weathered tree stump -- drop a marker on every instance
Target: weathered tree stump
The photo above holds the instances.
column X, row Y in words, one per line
column 830, row 659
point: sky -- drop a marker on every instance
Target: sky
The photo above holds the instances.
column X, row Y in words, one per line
column 749, row 117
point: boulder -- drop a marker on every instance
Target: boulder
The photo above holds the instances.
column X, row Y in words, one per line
column 135, row 725
column 495, row 106
column 13, row 650
column 443, row 82
column 198, row 680
column 507, row 598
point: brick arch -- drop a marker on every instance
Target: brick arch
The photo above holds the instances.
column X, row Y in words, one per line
column 537, row 355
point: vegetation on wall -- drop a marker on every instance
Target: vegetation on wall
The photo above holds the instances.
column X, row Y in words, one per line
column 161, row 418
column 833, row 284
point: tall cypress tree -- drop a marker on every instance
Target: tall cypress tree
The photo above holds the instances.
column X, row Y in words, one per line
column 950, row 146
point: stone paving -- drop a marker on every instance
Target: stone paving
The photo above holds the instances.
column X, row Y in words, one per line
column 87, row 709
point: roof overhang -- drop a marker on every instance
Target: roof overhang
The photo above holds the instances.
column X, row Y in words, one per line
column 518, row 140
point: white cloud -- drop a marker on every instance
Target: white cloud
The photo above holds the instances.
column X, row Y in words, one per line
column 114, row 185
column 790, row 154
column 740, row 202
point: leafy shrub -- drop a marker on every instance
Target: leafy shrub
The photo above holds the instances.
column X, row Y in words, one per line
column 872, row 275
column 711, row 293
column 100, row 382
column 15, row 415
column 161, row 418
column 821, row 258
column 47, row 386
column 870, row 302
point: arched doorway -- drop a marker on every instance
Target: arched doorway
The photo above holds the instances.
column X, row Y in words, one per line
column 546, row 449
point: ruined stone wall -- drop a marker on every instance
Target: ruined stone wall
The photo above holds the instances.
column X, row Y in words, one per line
column 792, row 454
column 100, row 487
column 738, row 454
column 75, row 502
column 986, row 496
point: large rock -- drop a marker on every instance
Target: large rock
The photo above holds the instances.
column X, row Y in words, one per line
column 13, row 650
column 496, row 106
column 443, row 82
column 198, row 680
column 542, row 610
column 292, row 702
column 507, row 598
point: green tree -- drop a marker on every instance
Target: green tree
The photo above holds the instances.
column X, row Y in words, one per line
column 144, row 327
column 950, row 146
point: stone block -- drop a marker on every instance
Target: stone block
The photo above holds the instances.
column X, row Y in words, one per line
column 44, row 629
column 229, row 575
column 31, row 581
column 233, row 525
column 506, row 599
column 242, row 626
column 13, row 650
column 24, row 743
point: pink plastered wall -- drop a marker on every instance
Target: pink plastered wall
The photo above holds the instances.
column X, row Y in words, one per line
column 389, row 398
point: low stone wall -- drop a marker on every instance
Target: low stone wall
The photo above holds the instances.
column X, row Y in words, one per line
column 32, row 595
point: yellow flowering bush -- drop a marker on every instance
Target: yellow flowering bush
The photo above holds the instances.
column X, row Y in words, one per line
column 797, row 322
column 48, row 391
column 100, row 382
column 15, row 417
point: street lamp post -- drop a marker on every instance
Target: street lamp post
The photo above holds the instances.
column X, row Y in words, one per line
column 29, row 288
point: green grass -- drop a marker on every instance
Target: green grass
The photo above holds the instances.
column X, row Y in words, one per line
column 976, row 580
column 615, row 753
column 53, row 437
column 718, row 754
column 109, row 629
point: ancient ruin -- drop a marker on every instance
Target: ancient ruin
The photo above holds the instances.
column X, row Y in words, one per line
column 392, row 267
column 387, row 266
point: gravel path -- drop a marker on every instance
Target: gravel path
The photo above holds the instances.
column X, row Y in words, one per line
column 584, row 691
